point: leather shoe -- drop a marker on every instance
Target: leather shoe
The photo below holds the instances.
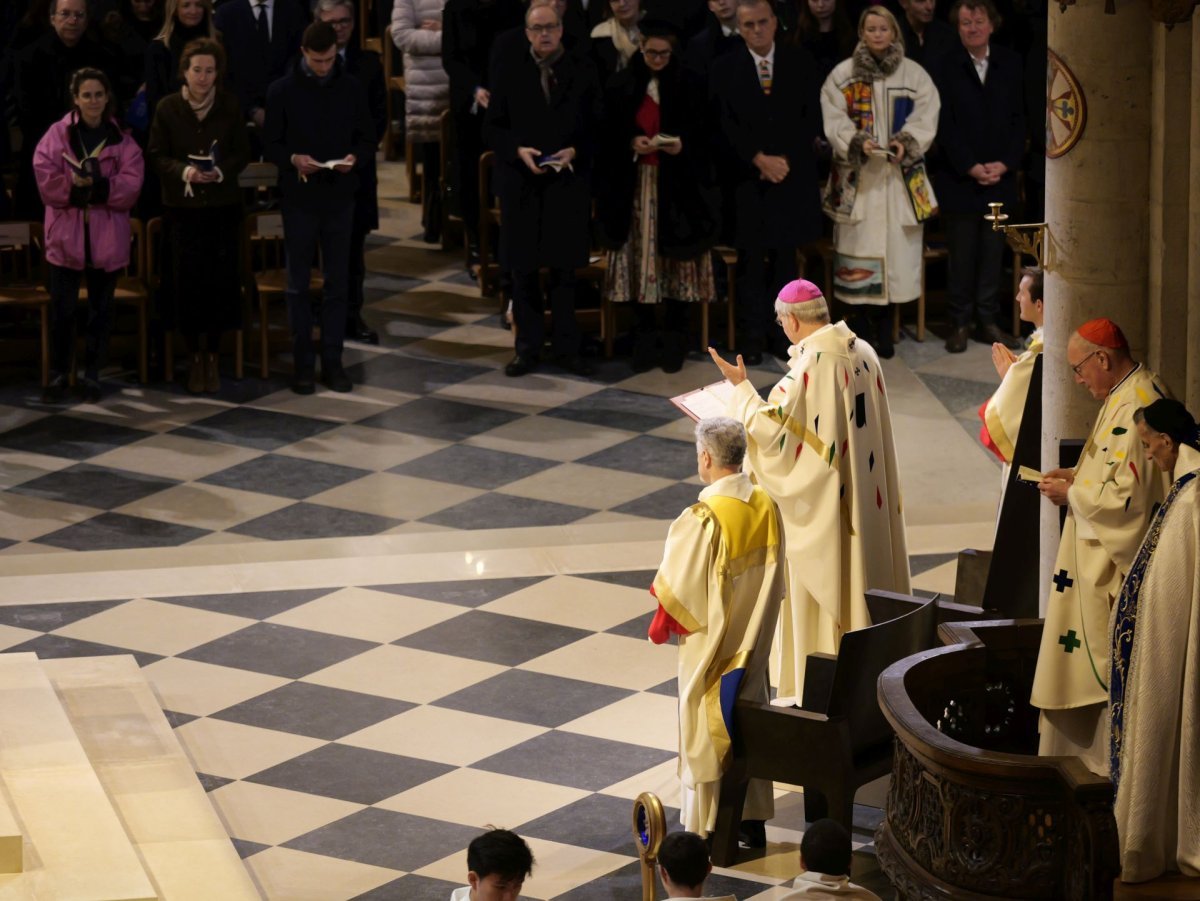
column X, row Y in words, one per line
column 357, row 330
column 993, row 334
column 957, row 342
column 521, row 364
column 333, row 377
column 91, row 390
column 752, row 834
column 303, row 382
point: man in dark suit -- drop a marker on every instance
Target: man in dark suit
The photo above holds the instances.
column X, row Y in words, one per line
column 714, row 40
column 544, row 104
column 981, row 136
column 261, row 38
column 316, row 115
column 926, row 38
column 366, row 66
column 769, row 108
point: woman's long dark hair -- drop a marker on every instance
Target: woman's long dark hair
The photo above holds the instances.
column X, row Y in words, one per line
column 808, row 28
column 79, row 76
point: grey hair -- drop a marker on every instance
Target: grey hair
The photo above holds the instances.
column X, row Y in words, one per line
column 328, row 6
column 810, row 311
column 724, row 439
column 537, row 4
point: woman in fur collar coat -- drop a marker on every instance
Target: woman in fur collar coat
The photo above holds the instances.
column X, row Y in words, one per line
column 881, row 114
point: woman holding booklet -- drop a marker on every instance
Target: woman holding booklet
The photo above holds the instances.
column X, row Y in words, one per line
column 89, row 174
column 881, row 116
column 199, row 146
column 659, row 210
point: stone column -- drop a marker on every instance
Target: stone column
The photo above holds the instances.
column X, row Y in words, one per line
column 1171, row 129
column 1097, row 210
column 1189, row 391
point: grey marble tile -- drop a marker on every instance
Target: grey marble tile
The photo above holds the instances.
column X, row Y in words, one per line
column 303, row 520
column 502, row 511
column 618, row 409
column 260, row 429
column 313, row 710
column 250, row 604
column 48, row 617
column 447, row 420
column 493, row 637
column 112, row 531
column 52, row 646
column 473, row 593
column 278, row 650
column 649, row 455
column 282, row 476
column 70, row 437
column 93, row 486
column 350, row 774
column 522, row 696
column 409, row 374
column 578, row 761
column 666, row 503
column 478, row 467
column 382, row 838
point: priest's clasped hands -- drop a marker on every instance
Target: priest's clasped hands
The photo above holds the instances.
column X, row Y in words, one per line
column 1055, row 484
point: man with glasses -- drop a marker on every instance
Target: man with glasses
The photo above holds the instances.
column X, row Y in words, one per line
column 768, row 102
column 540, row 121
column 366, row 66
column 42, row 73
column 1110, row 495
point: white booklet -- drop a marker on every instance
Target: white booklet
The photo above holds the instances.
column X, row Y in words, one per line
column 707, row 402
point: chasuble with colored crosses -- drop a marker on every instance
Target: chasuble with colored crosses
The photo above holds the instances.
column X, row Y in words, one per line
column 821, row 445
column 1112, row 500
column 719, row 588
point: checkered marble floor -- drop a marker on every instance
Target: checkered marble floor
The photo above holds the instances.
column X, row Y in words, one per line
column 381, row 621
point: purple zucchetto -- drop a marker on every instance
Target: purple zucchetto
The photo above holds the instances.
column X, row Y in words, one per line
column 799, row 291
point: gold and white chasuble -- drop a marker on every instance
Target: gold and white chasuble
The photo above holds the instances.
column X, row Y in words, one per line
column 1112, row 499
column 821, row 445
column 721, row 582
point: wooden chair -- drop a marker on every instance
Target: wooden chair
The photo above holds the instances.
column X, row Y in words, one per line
column 23, row 278
column 154, row 281
column 729, row 257
column 446, row 154
column 837, row 740
column 489, row 223
column 264, row 274
column 133, row 289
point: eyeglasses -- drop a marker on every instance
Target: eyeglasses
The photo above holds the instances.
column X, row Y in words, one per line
column 656, row 54
column 71, row 15
column 340, row 23
column 543, row 29
column 1078, row 366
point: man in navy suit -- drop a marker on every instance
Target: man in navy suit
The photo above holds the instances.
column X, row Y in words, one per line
column 768, row 102
column 981, row 136
column 261, row 38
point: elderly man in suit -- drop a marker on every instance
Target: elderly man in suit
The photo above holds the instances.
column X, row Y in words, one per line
column 261, row 38
column 768, row 101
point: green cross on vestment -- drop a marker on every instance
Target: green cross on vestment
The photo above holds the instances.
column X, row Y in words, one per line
column 1069, row 641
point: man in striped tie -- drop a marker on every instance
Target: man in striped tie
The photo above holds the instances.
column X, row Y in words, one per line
column 767, row 97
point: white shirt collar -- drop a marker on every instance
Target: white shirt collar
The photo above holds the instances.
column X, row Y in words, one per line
column 981, row 63
column 770, row 58
column 728, row 31
column 736, row 485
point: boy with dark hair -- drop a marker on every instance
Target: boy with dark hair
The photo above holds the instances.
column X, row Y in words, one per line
column 497, row 863
column 825, row 858
column 683, row 865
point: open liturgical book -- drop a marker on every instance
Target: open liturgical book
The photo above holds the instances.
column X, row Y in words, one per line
column 88, row 167
column 707, row 402
column 204, row 162
column 550, row 161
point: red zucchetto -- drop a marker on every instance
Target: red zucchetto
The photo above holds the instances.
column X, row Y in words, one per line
column 1103, row 333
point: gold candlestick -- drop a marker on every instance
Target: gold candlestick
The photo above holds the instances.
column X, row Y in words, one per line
column 1028, row 238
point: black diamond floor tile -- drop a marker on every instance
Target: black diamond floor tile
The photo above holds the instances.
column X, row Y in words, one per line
column 246, row 848
column 578, row 761
column 112, row 531
column 599, row 822
column 313, row 710
column 505, row 511
column 70, row 437
column 634, row 628
column 637, row 578
column 250, row 604
column 492, row 637
column 259, row 429
column 285, row 476
column 670, row 688
column 52, row 646
column 409, row 374
column 446, row 420
column 211, row 782
column 177, row 719
column 466, row 593
column 303, row 520
column 412, row 887
column 619, row 409
column 48, row 617
column 278, row 650
column 477, row 467
column 350, row 774
column 649, row 455
column 93, row 486
column 382, row 838
column 519, row 695
column 666, row 503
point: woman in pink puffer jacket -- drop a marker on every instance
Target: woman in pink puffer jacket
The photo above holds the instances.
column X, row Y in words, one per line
column 87, row 220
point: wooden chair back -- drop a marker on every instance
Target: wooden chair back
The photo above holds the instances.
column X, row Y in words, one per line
column 23, row 278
